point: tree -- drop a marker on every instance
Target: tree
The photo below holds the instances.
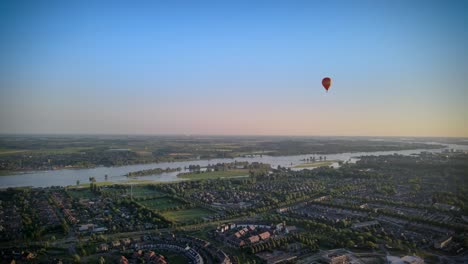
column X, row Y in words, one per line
column 371, row 244
column 77, row 182
column 349, row 244
column 65, row 227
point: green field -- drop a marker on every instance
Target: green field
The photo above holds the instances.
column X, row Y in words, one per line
column 173, row 257
column 7, row 172
column 183, row 216
column 214, row 174
column 67, row 150
column 134, row 182
column 81, row 193
column 315, row 164
column 144, row 191
column 4, row 151
column 161, row 203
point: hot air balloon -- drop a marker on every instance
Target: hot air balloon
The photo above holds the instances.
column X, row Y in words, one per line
column 326, row 82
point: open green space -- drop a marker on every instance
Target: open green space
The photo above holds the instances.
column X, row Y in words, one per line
column 173, row 257
column 145, row 191
column 109, row 183
column 7, row 172
column 6, row 151
column 214, row 174
column 161, row 203
column 315, row 164
column 81, row 193
column 45, row 151
column 187, row 215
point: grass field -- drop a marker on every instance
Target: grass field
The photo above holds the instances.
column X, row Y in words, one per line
column 173, row 257
column 134, row 182
column 183, row 216
column 7, row 172
column 161, row 203
column 315, row 164
column 4, row 151
column 81, row 193
column 68, row 150
column 214, row 174
column 144, row 191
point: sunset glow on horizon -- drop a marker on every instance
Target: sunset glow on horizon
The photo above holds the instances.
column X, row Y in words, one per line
column 399, row 68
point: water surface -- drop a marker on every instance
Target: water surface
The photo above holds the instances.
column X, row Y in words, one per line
column 65, row 177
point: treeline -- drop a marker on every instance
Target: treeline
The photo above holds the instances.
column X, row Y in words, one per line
column 151, row 172
column 331, row 146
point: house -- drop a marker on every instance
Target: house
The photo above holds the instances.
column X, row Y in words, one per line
column 29, row 256
column 222, row 228
column 340, row 259
column 235, row 242
column 412, row 260
column 321, row 198
column 253, row 239
column 103, row 247
column 86, row 227
column 99, row 229
column 126, row 241
column 282, row 210
column 280, row 226
column 123, row 260
column 152, row 257
column 115, row 243
column 404, row 260
column 442, row 243
column 364, row 224
column 265, row 235
column 446, row 207
column 289, row 229
column 137, row 253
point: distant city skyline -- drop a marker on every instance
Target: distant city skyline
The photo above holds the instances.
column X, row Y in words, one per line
column 399, row 68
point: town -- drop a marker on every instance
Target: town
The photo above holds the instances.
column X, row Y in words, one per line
column 234, row 132
column 382, row 209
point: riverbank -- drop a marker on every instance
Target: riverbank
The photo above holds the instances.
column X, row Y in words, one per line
column 213, row 174
column 69, row 177
column 315, row 164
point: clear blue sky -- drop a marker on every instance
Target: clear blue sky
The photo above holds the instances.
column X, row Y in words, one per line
column 234, row 67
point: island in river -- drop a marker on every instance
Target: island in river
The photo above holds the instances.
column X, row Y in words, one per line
column 154, row 171
column 316, row 164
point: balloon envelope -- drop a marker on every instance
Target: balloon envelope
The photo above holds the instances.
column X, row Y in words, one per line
column 326, row 82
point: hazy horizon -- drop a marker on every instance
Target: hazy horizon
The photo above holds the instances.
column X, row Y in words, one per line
column 217, row 135
column 398, row 68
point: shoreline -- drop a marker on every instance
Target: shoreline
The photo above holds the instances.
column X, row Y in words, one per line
column 29, row 171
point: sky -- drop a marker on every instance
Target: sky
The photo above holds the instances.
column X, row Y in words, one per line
column 399, row 68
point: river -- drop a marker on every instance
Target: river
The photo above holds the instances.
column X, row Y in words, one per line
column 65, row 177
